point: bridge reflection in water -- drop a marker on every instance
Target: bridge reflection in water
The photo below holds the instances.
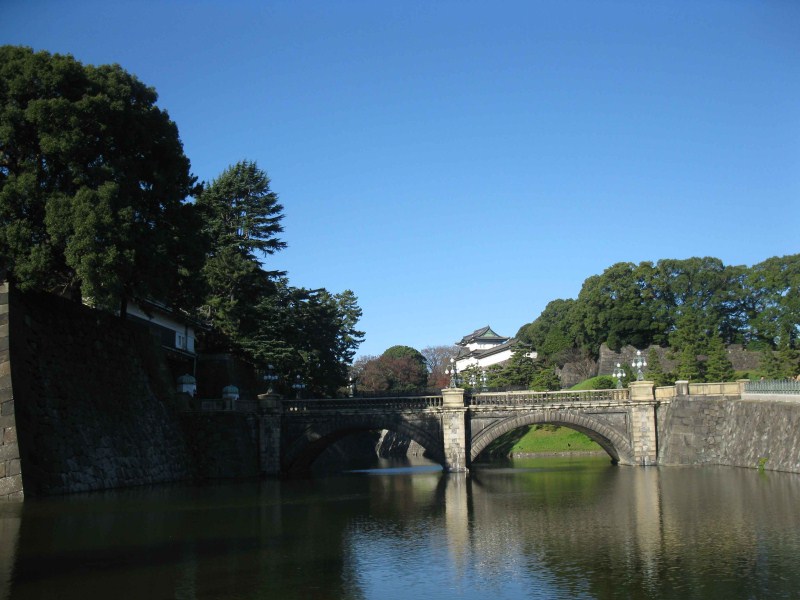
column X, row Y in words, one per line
column 561, row 528
column 565, row 531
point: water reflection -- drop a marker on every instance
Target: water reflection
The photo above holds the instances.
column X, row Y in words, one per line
column 558, row 529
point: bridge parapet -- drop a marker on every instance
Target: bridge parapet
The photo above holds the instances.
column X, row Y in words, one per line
column 361, row 404
column 532, row 398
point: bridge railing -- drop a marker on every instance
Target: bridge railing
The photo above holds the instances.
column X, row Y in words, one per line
column 382, row 403
column 773, row 386
column 526, row 398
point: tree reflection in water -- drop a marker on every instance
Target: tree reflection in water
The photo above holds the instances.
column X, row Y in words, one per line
column 563, row 528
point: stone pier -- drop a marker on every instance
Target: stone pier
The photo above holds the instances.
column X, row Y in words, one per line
column 454, row 430
column 643, row 423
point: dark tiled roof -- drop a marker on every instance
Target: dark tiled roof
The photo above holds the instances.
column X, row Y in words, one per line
column 484, row 334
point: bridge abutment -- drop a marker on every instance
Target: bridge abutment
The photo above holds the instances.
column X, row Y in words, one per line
column 643, row 423
column 269, row 433
column 454, row 430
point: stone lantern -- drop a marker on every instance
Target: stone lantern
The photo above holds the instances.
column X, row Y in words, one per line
column 187, row 385
column 230, row 394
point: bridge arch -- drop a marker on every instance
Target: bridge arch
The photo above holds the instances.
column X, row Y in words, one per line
column 305, row 447
column 617, row 447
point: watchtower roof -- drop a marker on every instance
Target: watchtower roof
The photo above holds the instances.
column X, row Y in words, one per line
column 484, row 334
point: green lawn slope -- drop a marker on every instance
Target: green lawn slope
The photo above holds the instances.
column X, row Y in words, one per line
column 542, row 439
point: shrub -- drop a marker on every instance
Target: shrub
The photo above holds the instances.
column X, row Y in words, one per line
column 600, row 382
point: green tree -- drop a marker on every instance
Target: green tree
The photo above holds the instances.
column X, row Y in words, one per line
column 616, row 308
column 518, row 371
column 471, row 378
column 93, row 180
column 551, row 333
column 699, row 292
column 788, row 359
column 242, row 212
column 774, row 312
column 689, row 367
column 310, row 334
column 545, row 379
column 770, row 366
column 718, row 366
column 655, row 370
column 241, row 221
column 692, row 330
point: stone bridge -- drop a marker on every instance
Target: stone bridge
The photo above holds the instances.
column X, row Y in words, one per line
column 455, row 429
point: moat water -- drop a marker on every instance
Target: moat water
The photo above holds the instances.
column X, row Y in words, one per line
column 534, row 528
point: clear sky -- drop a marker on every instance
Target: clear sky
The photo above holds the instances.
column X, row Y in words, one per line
column 460, row 163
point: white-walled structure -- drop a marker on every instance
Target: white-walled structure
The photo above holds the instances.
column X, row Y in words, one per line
column 483, row 348
column 176, row 331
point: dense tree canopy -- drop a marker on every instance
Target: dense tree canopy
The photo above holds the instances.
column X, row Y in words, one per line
column 676, row 303
column 307, row 333
column 93, row 205
column 92, row 182
column 310, row 334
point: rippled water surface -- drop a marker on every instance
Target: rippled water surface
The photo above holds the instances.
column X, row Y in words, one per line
column 547, row 528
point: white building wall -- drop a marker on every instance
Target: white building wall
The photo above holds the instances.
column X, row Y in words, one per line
column 488, row 361
column 184, row 334
column 484, row 362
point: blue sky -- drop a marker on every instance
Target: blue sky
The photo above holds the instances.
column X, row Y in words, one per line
column 459, row 163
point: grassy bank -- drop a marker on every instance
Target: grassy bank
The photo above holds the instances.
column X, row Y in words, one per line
column 543, row 439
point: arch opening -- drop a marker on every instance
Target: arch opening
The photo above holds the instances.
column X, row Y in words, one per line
column 339, row 441
column 543, row 438
column 611, row 441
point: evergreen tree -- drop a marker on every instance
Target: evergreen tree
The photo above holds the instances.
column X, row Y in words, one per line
column 471, row 377
column 93, row 180
column 241, row 221
column 305, row 333
column 545, row 379
column 770, row 366
column 718, row 366
column 519, row 371
column 655, row 371
column 689, row 368
column 789, row 359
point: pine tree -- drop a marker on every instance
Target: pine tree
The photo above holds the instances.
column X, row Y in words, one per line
column 770, row 365
column 655, row 372
column 545, row 379
column 788, row 360
column 689, row 368
column 718, row 366
column 241, row 219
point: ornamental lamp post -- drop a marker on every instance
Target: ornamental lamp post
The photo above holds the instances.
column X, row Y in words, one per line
column 270, row 377
column 298, row 386
column 619, row 375
column 452, row 372
column 638, row 363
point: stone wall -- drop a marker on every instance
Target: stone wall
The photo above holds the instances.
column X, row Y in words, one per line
column 93, row 406
column 718, row 430
column 223, row 445
column 741, row 359
column 10, row 471
column 93, row 401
